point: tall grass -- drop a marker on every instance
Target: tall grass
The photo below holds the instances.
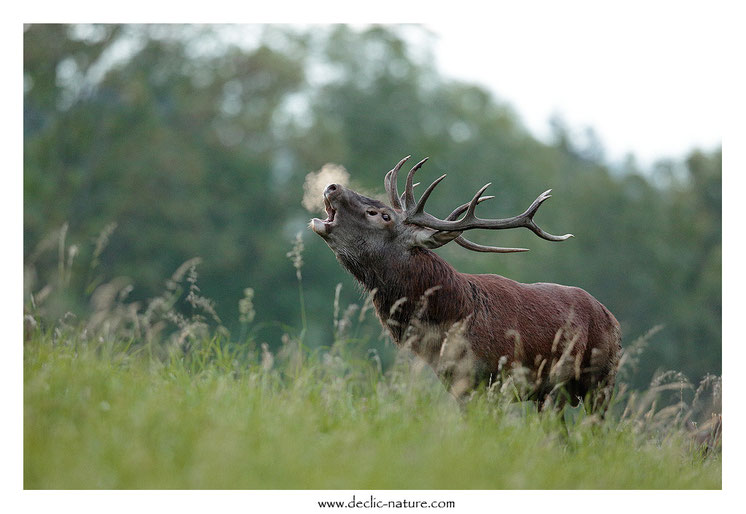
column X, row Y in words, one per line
column 160, row 395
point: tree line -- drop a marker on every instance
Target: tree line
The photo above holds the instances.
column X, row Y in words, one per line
column 172, row 142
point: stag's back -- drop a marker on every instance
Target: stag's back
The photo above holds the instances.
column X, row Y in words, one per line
column 564, row 327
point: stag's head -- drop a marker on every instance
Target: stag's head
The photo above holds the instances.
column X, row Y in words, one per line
column 359, row 228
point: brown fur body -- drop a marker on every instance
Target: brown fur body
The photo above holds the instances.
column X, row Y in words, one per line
column 530, row 324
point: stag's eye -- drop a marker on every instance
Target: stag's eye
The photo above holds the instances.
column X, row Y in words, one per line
column 385, row 217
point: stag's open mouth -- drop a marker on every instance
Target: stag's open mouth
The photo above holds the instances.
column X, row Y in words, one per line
column 324, row 227
column 330, row 211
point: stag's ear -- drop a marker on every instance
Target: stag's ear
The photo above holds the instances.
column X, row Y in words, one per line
column 430, row 238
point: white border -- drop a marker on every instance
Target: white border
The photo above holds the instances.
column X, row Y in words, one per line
column 731, row 102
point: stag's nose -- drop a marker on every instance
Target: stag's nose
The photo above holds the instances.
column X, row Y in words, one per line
column 330, row 188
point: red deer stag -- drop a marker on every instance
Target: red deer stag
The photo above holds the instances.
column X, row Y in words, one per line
column 469, row 328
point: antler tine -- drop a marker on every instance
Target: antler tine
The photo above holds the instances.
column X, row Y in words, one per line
column 420, row 207
column 409, row 203
column 531, row 224
column 471, row 245
column 546, row 235
column 475, row 201
column 401, row 197
column 461, row 208
column 390, row 183
column 536, row 203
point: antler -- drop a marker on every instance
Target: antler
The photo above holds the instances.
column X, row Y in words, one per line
column 415, row 212
column 471, row 245
column 389, row 183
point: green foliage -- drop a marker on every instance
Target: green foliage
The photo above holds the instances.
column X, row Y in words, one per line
column 106, row 413
column 195, row 147
column 142, row 395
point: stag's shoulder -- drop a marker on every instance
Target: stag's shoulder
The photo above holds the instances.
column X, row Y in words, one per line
column 571, row 294
column 494, row 281
column 493, row 284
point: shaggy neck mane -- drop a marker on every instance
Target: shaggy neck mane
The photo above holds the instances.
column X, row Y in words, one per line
column 410, row 276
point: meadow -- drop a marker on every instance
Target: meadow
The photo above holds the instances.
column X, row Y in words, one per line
column 118, row 401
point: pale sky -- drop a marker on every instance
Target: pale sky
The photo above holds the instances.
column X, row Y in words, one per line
column 647, row 80
column 647, row 76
